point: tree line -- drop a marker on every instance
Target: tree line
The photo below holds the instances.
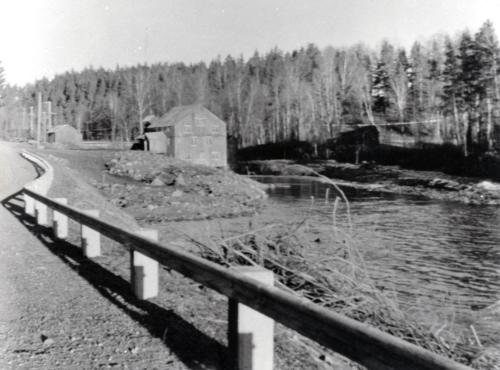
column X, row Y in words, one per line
column 450, row 86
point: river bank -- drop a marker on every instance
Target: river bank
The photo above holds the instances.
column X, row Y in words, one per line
column 193, row 320
column 387, row 179
column 268, row 226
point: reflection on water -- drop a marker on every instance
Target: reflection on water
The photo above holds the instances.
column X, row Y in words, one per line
column 433, row 250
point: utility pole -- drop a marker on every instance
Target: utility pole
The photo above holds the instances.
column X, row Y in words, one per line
column 32, row 119
column 24, row 119
column 39, row 120
column 49, row 114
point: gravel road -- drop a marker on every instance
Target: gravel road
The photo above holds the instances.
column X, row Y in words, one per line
column 50, row 316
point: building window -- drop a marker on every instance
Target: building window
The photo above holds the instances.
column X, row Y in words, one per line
column 215, row 156
column 188, row 129
column 194, row 141
column 210, row 140
column 200, row 122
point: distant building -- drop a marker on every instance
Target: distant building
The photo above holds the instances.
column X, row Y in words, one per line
column 64, row 134
column 194, row 134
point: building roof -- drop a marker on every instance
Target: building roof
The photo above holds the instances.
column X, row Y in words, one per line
column 155, row 135
column 151, row 119
column 61, row 127
column 178, row 114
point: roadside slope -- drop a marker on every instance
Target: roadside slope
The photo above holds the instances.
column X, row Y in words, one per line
column 50, row 316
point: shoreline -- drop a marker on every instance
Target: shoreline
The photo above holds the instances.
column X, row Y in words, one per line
column 384, row 179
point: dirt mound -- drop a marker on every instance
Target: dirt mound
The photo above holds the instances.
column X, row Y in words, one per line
column 163, row 188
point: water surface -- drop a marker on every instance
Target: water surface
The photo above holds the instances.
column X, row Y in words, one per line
column 435, row 254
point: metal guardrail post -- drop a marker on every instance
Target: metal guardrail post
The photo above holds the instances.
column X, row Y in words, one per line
column 91, row 239
column 144, row 271
column 60, row 221
column 250, row 333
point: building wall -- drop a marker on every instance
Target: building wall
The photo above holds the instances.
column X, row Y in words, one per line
column 67, row 135
column 205, row 150
column 198, row 138
column 157, row 142
column 201, row 142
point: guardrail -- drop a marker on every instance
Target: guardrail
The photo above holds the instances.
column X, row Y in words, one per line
column 252, row 303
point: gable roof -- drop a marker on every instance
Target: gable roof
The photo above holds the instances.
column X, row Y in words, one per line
column 64, row 126
column 190, row 112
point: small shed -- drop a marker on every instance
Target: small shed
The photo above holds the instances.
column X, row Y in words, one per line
column 155, row 142
column 64, row 134
column 194, row 134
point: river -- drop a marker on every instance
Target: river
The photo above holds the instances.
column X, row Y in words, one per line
column 437, row 255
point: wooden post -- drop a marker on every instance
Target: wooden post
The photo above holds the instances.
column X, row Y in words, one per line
column 250, row 333
column 32, row 119
column 91, row 239
column 49, row 115
column 29, row 205
column 24, row 121
column 144, row 271
column 39, row 120
column 41, row 214
column 60, row 221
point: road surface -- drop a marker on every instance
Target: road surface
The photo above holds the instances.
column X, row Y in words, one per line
column 50, row 316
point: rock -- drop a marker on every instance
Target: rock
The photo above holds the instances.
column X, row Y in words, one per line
column 157, row 182
column 167, row 178
column 46, row 340
column 151, row 207
column 180, row 180
column 438, row 183
column 490, row 186
column 177, row 193
column 116, row 188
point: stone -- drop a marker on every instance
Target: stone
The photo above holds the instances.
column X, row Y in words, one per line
column 157, row 182
column 490, row 186
column 177, row 193
column 180, row 180
column 46, row 340
column 116, row 188
column 167, row 178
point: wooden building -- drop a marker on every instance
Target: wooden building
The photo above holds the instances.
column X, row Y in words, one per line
column 193, row 134
column 64, row 134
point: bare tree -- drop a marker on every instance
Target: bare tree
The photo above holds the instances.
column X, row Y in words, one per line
column 139, row 83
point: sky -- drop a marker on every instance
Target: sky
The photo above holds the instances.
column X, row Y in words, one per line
column 40, row 38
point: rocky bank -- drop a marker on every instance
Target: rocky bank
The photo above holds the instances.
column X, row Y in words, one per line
column 388, row 179
column 156, row 188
